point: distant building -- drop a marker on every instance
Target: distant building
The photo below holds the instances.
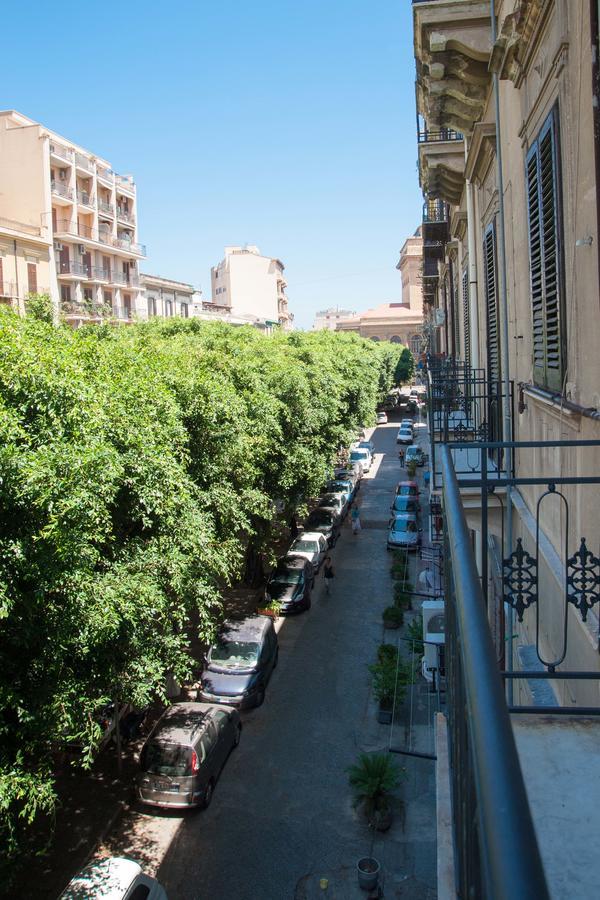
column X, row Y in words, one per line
column 327, row 318
column 400, row 323
column 166, row 298
column 247, row 284
column 24, row 262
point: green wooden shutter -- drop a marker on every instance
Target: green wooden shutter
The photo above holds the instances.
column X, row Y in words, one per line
column 466, row 317
column 545, row 257
column 491, row 302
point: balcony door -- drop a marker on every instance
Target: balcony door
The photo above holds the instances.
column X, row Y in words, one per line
column 64, row 260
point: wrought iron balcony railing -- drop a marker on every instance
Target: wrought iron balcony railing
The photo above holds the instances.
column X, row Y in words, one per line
column 62, row 189
column 435, row 212
column 443, row 134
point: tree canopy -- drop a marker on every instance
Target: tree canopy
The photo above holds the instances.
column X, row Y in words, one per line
column 137, row 466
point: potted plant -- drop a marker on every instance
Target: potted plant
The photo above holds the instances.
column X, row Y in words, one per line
column 393, row 617
column 414, row 632
column 373, row 779
column 402, row 599
column 368, row 873
column 411, row 469
column 384, row 687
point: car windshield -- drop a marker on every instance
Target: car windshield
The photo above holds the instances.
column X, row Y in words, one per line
column 339, row 486
column 330, row 501
column 305, row 546
column 166, row 759
column 289, row 577
column 404, row 525
column 320, row 517
column 358, row 455
column 233, row 654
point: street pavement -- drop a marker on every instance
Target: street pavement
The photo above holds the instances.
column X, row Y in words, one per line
column 282, row 816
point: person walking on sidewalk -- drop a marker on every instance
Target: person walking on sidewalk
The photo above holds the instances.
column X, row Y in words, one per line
column 355, row 514
column 401, row 455
column 328, row 574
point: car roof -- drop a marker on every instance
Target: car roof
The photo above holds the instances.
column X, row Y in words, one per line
column 330, row 495
column 290, row 562
column 404, row 483
column 399, row 498
column 105, row 879
column 413, row 447
column 248, row 629
column 309, row 536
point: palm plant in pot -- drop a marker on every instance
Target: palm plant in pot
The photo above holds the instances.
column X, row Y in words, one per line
column 384, row 688
column 373, row 779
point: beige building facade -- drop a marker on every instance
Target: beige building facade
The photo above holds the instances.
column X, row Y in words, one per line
column 24, row 262
column 400, row 323
column 166, row 298
column 511, row 307
column 86, row 213
column 327, row 319
column 247, row 284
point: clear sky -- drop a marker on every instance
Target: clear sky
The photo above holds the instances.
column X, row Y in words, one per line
column 290, row 125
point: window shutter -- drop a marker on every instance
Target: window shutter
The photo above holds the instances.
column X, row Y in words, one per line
column 491, row 303
column 545, row 257
column 32, row 278
column 466, row 317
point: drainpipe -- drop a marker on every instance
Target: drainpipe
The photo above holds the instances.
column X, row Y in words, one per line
column 507, row 412
column 473, row 305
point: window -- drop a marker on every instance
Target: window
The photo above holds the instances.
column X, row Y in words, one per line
column 491, row 302
column 65, row 292
column 545, row 256
column 466, row 317
column 151, row 307
column 88, row 294
column 185, row 310
column 415, row 344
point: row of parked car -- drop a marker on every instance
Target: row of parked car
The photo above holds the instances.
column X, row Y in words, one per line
column 404, row 531
column 182, row 757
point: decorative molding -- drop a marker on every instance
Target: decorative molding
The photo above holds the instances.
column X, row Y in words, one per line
column 482, row 149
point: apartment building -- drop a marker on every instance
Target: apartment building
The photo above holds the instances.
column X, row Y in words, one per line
column 84, row 210
column 167, row 298
column 509, row 166
column 326, row 319
column 24, row 261
column 245, row 283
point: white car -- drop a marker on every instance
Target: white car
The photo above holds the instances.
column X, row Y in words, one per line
column 368, row 444
column 363, row 456
column 406, row 423
column 404, row 436
column 312, row 546
column 115, row 878
column 381, row 418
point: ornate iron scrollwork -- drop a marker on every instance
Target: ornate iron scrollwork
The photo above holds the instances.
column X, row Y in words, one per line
column 520, row 580
column 482, row 431
column 461, row 433
column 583, row 579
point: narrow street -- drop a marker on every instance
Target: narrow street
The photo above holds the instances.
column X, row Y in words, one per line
column 282, row 814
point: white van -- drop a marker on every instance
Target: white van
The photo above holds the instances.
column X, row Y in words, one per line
column 114, row 878
column 361, row 455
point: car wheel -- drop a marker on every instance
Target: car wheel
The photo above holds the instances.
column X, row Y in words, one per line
column 238, row 735
column 208, row 792
column 260, row 697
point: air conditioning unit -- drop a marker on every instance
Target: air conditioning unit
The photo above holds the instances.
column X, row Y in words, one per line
column 81, row 248
column 62, row 174
column 58, row 245
column 434, row 638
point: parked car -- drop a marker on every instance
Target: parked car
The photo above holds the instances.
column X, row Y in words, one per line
column 337, row 502
column 312, row 546
column 405, row 435
column 363, row 456
column 240, row 662
column 403, row 531
column 369, row 445
column 407, row 489
column 352, row 473
column 382, row 418
column 414, row 453
column 405, row 504
column 342, row 486
column 115, row 878
column 408, row 423
column 290, row 584
column 326, row 522
column 184, row 754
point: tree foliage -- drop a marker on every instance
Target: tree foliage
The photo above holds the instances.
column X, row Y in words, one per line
column 137, row 467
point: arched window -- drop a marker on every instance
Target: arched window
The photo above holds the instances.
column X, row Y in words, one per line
column 395, row 339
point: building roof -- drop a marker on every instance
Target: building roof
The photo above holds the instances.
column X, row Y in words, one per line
column 159, row 279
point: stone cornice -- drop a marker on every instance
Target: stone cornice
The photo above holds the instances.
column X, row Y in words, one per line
column 517, row 40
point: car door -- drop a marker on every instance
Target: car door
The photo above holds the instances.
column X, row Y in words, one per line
column 322, row 549
column 225, row 734
column 209, row 755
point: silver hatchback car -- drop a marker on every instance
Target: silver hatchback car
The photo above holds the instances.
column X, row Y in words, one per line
column 185, row 752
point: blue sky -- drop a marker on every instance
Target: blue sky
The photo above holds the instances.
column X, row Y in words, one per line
column 289, row 125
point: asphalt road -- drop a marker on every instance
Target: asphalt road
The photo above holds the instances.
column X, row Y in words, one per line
column 282, row 808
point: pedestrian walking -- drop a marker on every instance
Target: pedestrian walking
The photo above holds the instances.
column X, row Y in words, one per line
column 328, row 574
column 355, row 514
column 401, row 452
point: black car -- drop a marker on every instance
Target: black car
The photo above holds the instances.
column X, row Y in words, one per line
column 290, row 583
column 240, row 663
column 326, row 522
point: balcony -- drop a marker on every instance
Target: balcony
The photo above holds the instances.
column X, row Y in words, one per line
column 8, row 290
column 452, row 42
column 70, row 269
column 442, row 164
column 86, row 311
column 62, row 190
column 83, row 162
column 98, row 236
column 523, row 718
column 464, row 408
column 61, row 153
column 85, row 199
column 105, row 175
column 125, row 184
column 125, row 215
column 102, row 274
column 106, row 208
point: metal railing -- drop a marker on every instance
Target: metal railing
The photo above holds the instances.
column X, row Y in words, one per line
column 62, row 189
column 61, row 151
column 444, row 134
column 435, row 212
column 106, row 174
column 106, row 208
column 70, row 267
column 101, row 273
column 83, row 162
column 64, row 226
column 8, row 289
column 124, row 183
column 497, row 854
column 125, row 216
column 85, row 198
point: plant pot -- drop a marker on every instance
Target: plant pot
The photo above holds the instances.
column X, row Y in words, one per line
column 368, row 873
column 381, row 819
column 385, row 712
column 265, row 611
